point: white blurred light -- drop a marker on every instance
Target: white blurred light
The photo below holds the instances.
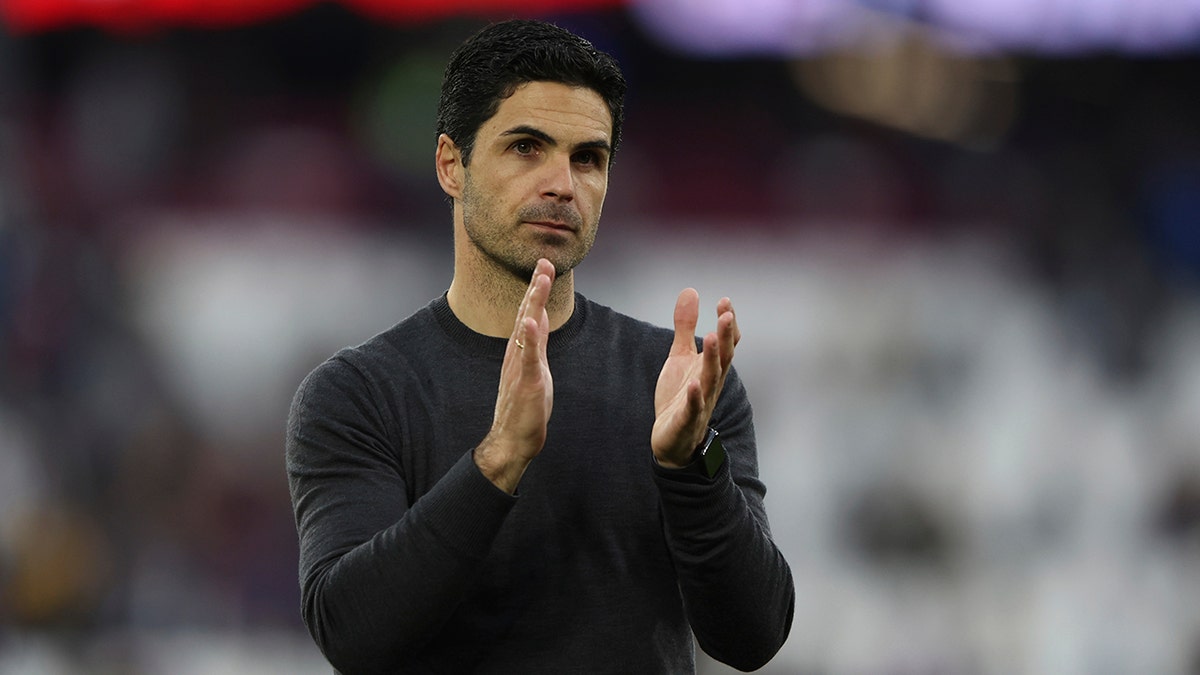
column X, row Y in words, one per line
column 793, row 27
column 239, row 308
column 749, row 26
column 1075, row 25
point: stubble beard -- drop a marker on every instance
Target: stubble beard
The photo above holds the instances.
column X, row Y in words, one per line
column 507, row 247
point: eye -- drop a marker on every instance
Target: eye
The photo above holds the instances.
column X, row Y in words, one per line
column 587, row 158
column 524, row 147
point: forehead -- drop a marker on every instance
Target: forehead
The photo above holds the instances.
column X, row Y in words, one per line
column 553, row 106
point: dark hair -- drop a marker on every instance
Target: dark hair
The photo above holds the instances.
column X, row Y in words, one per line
column 491, row 64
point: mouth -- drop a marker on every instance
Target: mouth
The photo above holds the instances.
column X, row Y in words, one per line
column 551, row 225
column 557, row 219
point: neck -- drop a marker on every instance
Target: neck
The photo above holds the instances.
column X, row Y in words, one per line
column 487, row 301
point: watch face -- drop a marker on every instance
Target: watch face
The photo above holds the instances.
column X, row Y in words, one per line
column 712, row 455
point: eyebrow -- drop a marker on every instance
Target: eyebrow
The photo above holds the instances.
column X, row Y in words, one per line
column 526, row 130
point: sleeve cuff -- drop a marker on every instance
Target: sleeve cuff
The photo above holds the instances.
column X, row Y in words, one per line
column 470, row 508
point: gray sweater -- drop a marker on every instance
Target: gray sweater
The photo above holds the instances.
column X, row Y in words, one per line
column 411, row 561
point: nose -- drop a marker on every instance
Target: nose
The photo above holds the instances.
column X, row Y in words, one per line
column 559, row 180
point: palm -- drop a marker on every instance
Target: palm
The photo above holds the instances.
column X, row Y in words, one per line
column 671, row 416
column 691, row 380
column 525, row 394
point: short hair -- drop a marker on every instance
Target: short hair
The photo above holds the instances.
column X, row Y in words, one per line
column 493, row 63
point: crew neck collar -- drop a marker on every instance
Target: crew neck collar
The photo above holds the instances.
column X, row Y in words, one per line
column 486, row 345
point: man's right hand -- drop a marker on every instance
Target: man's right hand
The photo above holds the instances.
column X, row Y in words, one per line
column 526, row 393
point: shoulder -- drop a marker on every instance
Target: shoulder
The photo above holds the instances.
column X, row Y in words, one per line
column 375, row 360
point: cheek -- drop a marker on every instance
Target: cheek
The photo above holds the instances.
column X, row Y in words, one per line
column 484, row 198
column 511, row 190
column 596, row 186
column 597, row 205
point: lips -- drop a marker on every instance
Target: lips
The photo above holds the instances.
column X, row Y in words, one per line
column 552, row 225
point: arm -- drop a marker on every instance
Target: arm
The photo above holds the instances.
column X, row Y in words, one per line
column 381, row 576
column 737, row 588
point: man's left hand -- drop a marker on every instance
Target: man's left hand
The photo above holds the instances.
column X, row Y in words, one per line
column 691, row 381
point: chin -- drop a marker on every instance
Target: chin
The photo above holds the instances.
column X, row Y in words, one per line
column 521, row 264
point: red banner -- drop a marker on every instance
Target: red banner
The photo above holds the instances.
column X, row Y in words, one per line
column 25, row 16
column 409, row 10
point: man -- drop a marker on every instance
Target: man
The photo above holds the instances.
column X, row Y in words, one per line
column 634, row 526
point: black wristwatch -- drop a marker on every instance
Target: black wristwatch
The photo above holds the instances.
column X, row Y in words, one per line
column 709, row 455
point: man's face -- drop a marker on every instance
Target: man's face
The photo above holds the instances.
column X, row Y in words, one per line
column 537, row 177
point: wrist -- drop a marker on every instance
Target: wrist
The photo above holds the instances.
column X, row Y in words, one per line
column 679, row 452
column 706, row 458
column 501, row 466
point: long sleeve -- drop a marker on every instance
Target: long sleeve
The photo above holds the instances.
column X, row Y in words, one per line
column 411, row 561
column 379, row 576
column 737, row 588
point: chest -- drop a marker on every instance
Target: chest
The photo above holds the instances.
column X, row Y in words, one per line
column 599, row 427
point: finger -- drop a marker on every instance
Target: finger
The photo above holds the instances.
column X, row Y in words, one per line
column 725, row 306
column 523, row 308
column 534, row 342
column 711, row 370
column 534, row 322
column 727, row 338
column 541, row 320
column 687, row 314
column 543, row 269
column 539, row 288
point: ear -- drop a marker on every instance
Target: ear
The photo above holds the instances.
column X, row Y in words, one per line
column 450, row 171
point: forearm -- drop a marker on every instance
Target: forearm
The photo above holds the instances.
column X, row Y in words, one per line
column 377, row 603
column 736, row 586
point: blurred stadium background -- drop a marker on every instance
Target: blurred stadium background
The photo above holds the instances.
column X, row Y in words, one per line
column 963, row 238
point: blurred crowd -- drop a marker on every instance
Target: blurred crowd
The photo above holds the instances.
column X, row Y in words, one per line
column 974, row 358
